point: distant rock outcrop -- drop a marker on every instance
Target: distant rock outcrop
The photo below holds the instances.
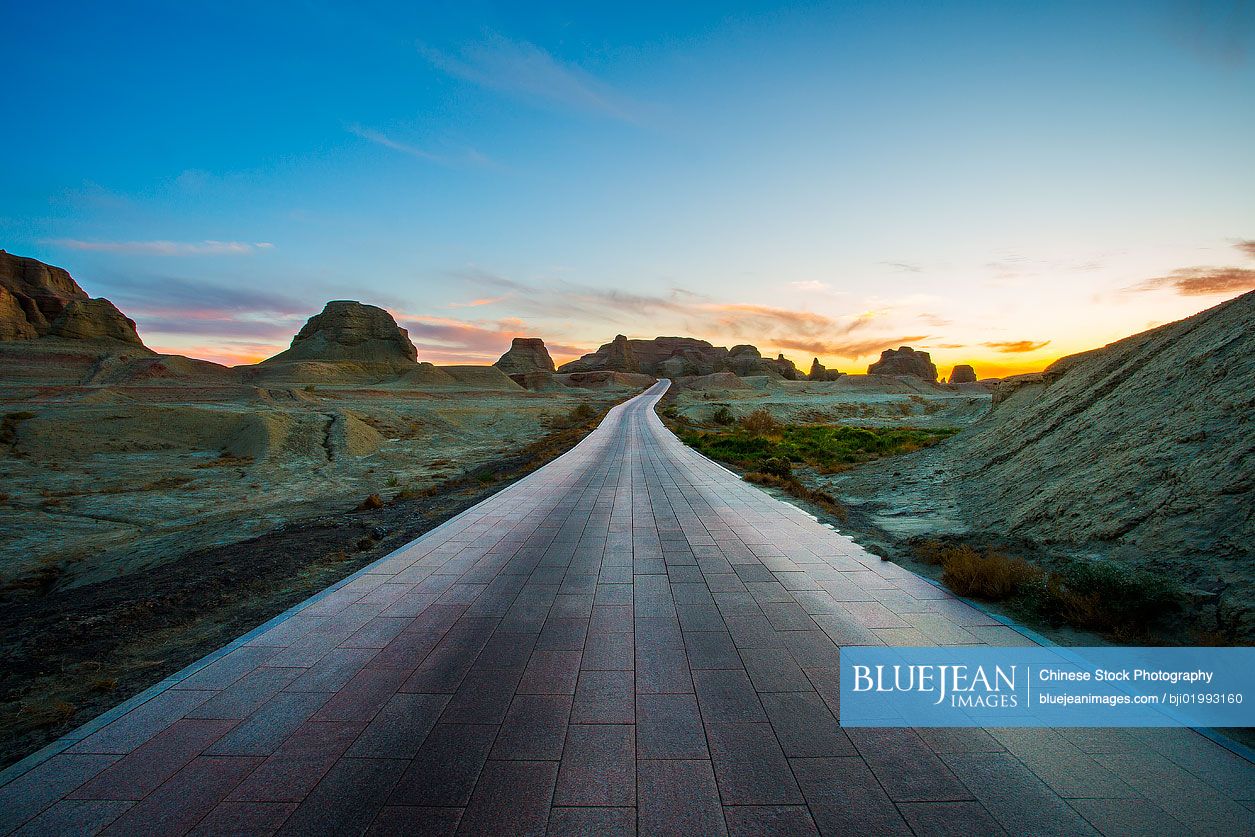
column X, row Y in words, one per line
column 350, row 331
column 819, row 372
column 39, row 300
column 677, row 357
column 963, row 373
column 904, row 361
column 526, row 354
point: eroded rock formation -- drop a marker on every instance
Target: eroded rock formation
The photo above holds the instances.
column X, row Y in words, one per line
column 963, row 373
column 39, row 300
column 677, row 357
column 819, row 372
column 526, row 354
column 350, row 331
column 904, row 361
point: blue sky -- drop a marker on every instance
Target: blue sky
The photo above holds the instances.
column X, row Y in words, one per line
column 1000, row 183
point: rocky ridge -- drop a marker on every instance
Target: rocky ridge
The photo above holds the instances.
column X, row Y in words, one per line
column 39, row 300
column 676, row 357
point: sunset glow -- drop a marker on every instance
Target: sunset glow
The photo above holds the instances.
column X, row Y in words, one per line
column 996, row 186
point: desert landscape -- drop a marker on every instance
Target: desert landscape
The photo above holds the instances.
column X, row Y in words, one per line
column 127, row 473
column 119, row 463
column 639, row 419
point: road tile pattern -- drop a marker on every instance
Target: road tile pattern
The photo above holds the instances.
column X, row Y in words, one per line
column 631, row 640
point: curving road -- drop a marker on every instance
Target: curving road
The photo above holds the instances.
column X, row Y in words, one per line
column 629, row 639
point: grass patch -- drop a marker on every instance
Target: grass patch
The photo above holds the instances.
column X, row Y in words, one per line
column 758, row 439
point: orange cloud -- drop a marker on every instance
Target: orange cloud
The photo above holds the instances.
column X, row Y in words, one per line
column 1204, row 281
column 1016, row 346
column 848, row 349
column 1247, row 246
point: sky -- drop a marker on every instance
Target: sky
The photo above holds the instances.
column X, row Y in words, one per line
column 997, row 183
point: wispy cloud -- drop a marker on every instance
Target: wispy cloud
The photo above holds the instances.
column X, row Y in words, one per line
column 450, row 340
column 523, row 69
column 1246, row 247
column 171, row 305
column 1202, row 281
column 476, row 303
column 904, row 267
column 1220, row 32
column 469, row 157
column 852, row 349
column 1016, row 346
column 165, row 248
column 683, row 311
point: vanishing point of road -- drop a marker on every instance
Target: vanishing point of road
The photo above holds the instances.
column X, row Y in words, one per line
column 630, row 640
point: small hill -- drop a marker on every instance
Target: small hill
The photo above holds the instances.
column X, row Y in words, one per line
column 526, row 354
column 353, row 332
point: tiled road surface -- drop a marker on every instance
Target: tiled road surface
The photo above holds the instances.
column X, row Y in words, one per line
column 630, row 639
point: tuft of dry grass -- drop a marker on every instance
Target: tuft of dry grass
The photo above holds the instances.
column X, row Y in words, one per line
column 761, row 423
column 991, row 575
column 47, row 713
column 373, row 501
column 791, row 485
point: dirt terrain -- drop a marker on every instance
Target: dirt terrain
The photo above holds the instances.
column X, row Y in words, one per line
column 147, row 522
column 99, row 480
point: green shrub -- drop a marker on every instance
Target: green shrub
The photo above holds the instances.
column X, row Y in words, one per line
column 723, row 416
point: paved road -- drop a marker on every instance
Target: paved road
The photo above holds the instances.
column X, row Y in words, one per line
column 630, row 638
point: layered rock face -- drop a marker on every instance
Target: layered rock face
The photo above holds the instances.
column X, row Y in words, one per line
column 677, row 357
column 526, row 354
column 350, row 331
column 39, row 300
column 963, row 374
column 904, row 361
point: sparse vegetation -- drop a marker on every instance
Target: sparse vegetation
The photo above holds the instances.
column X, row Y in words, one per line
column 579, row 415
column 1092, row 595
column 979, row 574
column 796, row 488
column 760, row 443
column 372, row 501
column 1106, row 597
column 723, row 416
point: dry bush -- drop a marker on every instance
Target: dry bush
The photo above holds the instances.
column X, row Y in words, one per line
column 791, row 485
column 373, row 501
column 991, row 576
column 760, row 423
